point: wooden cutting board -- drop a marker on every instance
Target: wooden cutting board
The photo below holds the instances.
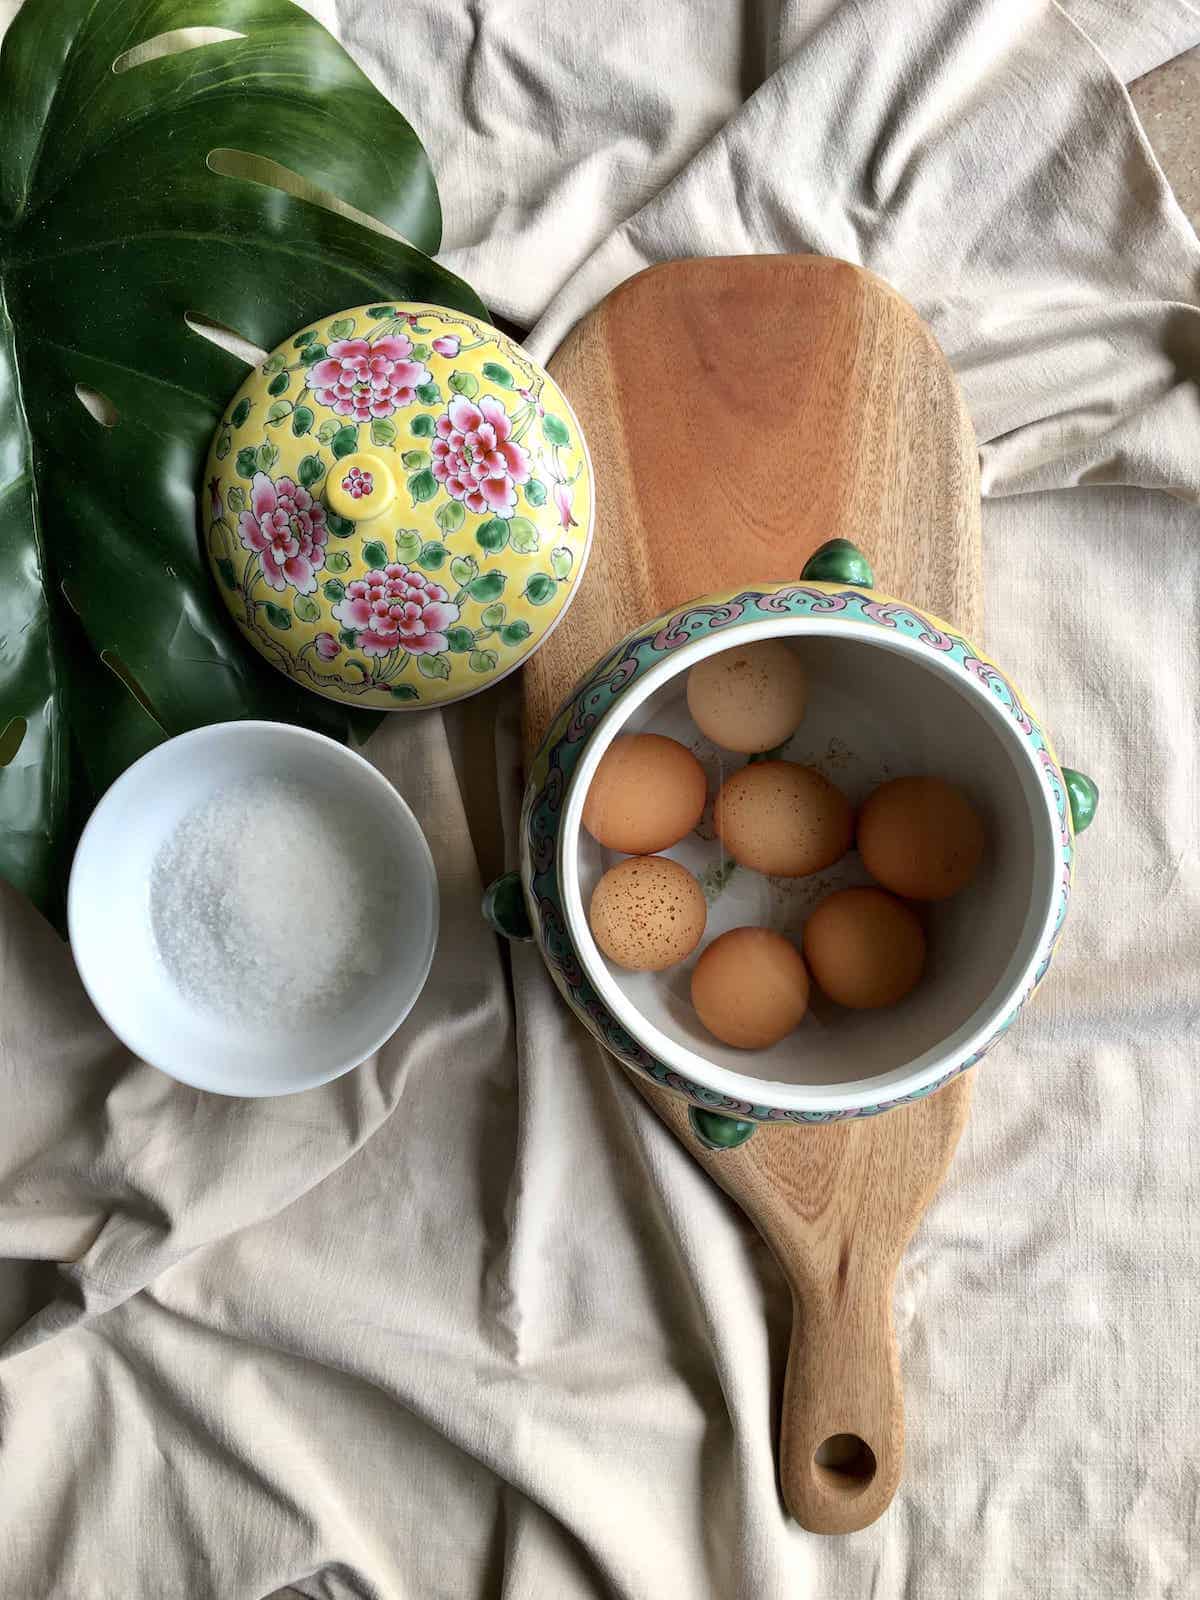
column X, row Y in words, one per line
column 740, row 412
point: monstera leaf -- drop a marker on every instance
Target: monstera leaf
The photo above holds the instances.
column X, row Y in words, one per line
column 165, row 165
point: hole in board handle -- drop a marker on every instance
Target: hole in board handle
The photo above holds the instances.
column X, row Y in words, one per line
column 844, row 1464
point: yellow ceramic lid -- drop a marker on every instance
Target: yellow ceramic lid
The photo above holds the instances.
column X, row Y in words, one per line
column 397, row 506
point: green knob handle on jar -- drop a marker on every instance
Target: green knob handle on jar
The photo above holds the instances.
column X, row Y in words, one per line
column 839, row 561
column 1084, row 797
column 504, row 908
column 717, row 1132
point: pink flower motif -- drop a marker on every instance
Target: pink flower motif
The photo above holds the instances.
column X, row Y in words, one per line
column 531, row 399
column 327, row 647
column 362, row 380
column 447, row 345
column 357, row 483
column 397, row 609
column 287, row 529
column 562, row 499
column 475, row 457
column 214, row 498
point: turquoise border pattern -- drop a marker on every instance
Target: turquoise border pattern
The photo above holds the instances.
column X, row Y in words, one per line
column 568, row 734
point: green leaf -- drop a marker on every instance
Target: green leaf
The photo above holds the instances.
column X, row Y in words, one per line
column 228, row 575
column 247, row 461
column 375, row 554
column 408, row 545
column 383, row 431
column 403, row 691
column 339, row 527
column 482, row 660
column 560, row 561
column 304, row 338
column 239, row 413
column 433, row 555
column 464, row 383
column 515, row 632
column 492, row 535
column 555, row 429
column 126, row 196
column 235, row 497
column 279, row 385
column 275, row 363
column 224, row 444
column 422, row 425
column 268, row 455
column 523, row 536
column 535, row 492
column 381, row 311
column 342, row 327
column 279, row 410
column 277, row 616
column 421, row 352
column 422, row 486
column 333, row 588
column 348, row 637
column 434, row 666
column 344, row 442
column 488, row 586
column 327, row 429
column 415, row 458
column 451, row 516
column 313, row 353
column 463, row 569
column 492, row 616
column 306, row 608
column 311, row 470
column 540, row 588
column 460, row 640
column 302, row 420
column 337, row 561
column 428, row 393
column 498, row 374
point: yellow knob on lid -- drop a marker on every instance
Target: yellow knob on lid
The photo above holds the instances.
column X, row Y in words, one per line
column 360, row 486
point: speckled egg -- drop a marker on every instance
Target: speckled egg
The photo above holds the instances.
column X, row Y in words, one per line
column 397, row 506
column 783, row 819
column 647, row 913
column 749, row 697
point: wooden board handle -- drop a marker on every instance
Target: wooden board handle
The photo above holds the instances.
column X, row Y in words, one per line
column 841, row 1432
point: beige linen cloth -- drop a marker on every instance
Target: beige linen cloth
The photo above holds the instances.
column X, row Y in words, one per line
column 469, row 1323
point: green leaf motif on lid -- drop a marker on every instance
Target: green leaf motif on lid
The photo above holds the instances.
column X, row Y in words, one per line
column 334, row 589
column 408, row 545
column 422, row 486
column 560, row 561
column 482, row 661
column 246, row 462
column 342, row 327
column 523, row 536
column 375, row 554
column 277, row 616
column 514, row 633
column 403, row 691
column 239, row 413
column 302, row 420
column 492, row 535
column 498, row 374
column 540, row 589
column 535, row 492
column 433, row 556
column 306, row 608
column 422, row 425
column 337, row 561
column 487, row 587
column 555, row 429
column 433, row 666
column 344, row 442
column 464, row 383
column 311, row 470
column 278, row 385
column 451, row 516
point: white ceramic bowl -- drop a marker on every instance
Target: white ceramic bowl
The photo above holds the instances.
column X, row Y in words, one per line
column 113, row 939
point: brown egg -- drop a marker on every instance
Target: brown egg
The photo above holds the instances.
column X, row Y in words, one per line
column 750, row 988
column 784, row 819
column 647, row 793
column 750, row 697
column 864, row 948
column 647, row 913
column 920, row 837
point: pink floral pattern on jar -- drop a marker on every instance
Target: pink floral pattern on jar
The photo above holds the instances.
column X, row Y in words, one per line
column 285, row 527
column 365, row 380
column 397, row 608
column 475, row 457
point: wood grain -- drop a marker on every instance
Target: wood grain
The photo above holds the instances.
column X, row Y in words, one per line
column 739, row 413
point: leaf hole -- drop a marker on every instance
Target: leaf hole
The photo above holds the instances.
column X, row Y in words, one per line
column 173, row 43
column 12, row 737
column 262, row 170
column 225, row 338
column 97, row 405
column 114, row 664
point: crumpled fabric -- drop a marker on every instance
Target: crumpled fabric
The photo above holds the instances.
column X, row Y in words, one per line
column 469, row 1322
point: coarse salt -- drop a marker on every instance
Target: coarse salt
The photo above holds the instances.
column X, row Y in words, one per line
column 267, row 907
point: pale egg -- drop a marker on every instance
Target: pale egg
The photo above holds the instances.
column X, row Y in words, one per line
column 750, row 697
column 783, row 819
